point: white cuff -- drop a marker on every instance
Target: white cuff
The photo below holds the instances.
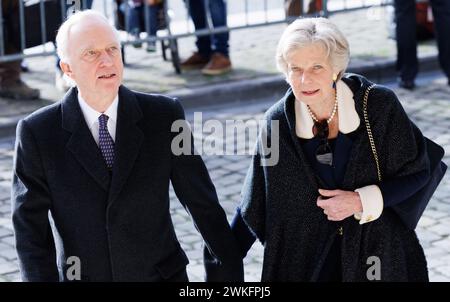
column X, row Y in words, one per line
column 372, row 203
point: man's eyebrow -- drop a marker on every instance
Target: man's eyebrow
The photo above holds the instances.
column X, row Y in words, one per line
column 315, row 62
column 89, row 47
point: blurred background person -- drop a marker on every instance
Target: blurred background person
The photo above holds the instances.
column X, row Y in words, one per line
column 11, row 84
column 135, row 19
column 406, row 24
column 294, row 8
column 212, row 55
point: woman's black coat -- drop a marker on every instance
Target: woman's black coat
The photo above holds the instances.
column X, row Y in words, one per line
column 279, row 201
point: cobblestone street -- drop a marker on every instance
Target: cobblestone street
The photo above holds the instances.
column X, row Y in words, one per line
column 428, row 106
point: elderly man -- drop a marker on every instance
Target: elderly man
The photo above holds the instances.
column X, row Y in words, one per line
column 92, row 172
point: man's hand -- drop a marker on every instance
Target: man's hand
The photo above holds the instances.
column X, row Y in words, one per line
column 338, row 204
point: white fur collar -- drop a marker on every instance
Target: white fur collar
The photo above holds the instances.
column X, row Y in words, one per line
column 348, row 117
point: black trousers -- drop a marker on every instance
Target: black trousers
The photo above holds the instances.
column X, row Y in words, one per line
column 405, row 15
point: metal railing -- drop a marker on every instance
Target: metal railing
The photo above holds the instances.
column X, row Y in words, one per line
column 175, row 27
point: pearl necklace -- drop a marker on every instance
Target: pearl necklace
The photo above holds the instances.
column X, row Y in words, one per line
column 332, row 112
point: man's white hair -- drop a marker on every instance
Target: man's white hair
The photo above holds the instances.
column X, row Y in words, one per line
column 62, row 37
column 307, row 31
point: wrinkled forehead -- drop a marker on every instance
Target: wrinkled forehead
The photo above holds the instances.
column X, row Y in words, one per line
column 93, row 32
column 308, row 54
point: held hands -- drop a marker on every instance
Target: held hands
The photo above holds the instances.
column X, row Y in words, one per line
column 339, row 204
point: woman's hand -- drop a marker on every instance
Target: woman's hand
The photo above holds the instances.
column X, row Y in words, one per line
column 339, row 204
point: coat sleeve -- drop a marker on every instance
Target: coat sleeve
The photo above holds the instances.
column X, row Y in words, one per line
column 242, row 233
column 399, row 189
column 405, row 155
column 31, row 202
column 253, row 204
column 196, row 192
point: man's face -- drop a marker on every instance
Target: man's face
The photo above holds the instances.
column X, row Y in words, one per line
column 95, row 60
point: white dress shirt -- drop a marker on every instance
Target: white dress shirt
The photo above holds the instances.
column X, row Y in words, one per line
column 371, row 196
column 91, row 117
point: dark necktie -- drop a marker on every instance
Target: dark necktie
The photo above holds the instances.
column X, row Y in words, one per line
column 105, row 141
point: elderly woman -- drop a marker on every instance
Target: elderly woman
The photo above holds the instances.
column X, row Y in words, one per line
column 322, row 212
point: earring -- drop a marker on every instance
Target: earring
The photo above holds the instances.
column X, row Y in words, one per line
column 334, row 80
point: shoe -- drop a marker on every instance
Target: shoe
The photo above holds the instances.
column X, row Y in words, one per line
column 407, row 84
column 151, row 46
column 61, row 83
column 195, row 61
column 24, row 66
column 18, row 90
column 135, row 37
column 219, row 64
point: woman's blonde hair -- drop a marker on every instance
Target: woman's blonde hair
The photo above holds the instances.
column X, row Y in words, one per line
column 304, row 32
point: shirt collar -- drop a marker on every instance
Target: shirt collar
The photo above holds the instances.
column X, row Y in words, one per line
column 348, row 117
column 91, row 115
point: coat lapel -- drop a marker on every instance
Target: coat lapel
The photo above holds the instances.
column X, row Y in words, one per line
column 129, row 138
column 81, row 143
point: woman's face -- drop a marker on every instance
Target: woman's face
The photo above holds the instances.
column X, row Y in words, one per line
column 310, row 75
